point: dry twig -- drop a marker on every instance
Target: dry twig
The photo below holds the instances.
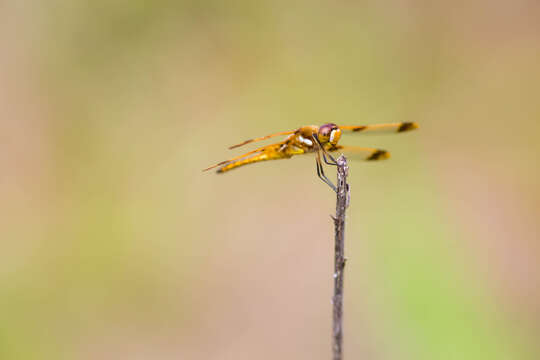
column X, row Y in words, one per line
column 342, row 202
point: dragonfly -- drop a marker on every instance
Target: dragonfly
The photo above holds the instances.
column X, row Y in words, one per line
column 320, row 140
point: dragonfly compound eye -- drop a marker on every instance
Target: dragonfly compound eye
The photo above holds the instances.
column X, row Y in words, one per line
column 325, row 131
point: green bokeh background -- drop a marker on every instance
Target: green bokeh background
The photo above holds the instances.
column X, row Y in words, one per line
column 115, row 245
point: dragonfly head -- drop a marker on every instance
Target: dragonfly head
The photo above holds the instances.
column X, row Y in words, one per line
column 329, row 133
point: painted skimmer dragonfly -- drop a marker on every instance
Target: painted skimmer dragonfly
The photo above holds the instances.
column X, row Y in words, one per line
column 321, row 140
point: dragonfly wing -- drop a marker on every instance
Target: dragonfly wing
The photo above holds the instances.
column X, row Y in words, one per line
column 382, row 128
column 262, row 138
column 361, row 153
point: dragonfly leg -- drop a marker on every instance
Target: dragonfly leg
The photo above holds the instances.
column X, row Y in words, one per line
column 320, row 174
column 325, row 153
column 332, row 160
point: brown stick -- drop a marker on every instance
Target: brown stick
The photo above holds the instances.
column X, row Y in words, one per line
column 342, row 202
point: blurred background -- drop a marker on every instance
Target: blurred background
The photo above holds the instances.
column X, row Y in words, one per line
column 114, row 244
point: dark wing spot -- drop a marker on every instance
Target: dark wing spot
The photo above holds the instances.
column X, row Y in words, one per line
column 358, row 128
column 406, row 126
column 377, row 155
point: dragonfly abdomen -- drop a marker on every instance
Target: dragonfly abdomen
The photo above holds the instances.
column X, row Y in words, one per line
column 273, row 155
